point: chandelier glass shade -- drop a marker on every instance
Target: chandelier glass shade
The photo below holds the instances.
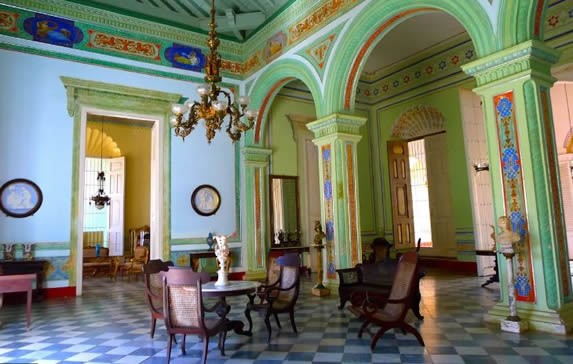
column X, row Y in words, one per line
column 216, row 104
column 101, row 199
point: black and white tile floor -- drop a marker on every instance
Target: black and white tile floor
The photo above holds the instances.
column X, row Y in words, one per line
column 110, row 324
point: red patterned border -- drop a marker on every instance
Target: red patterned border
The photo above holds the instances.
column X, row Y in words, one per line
column 352, row 203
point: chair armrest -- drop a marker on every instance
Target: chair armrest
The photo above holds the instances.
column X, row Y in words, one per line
column 348, row 276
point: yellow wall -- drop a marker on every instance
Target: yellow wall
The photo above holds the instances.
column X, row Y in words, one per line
column 135, row 145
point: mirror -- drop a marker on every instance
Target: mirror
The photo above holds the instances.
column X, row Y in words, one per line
column 284, row 211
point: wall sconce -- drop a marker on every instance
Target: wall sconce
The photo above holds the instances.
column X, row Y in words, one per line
column 481, row 166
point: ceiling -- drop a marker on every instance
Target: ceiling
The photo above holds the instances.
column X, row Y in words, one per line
column 236, row 19
column 239, row 19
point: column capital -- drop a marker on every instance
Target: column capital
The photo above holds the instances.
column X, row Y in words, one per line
column 256, row 155
column 526, row 60
column 343, row 126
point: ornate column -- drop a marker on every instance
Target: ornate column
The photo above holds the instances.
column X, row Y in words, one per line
column 336, row 136
column 256, row 163
column 514, row 85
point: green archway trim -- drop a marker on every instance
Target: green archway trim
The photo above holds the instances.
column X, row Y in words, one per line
column 526, row 24
column 368, row 27
column 267, row 85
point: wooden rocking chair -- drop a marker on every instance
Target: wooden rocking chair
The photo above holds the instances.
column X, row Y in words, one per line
column 393, row 313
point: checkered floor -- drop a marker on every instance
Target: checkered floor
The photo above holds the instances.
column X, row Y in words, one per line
column 110, row 324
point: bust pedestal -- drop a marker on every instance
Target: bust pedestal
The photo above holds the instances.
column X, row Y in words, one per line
column 511, row 323
column 319, row 289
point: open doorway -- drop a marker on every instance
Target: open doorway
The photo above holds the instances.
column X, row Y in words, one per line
column 120, row 150
column 420, row 183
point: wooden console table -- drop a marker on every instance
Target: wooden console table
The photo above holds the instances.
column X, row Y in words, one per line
column 18, row 283
column 21, row 266
column 195, row 256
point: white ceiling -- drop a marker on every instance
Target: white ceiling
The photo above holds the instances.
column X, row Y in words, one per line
column 412, row 36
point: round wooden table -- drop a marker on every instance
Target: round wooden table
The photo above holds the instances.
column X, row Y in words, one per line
column 233, row 288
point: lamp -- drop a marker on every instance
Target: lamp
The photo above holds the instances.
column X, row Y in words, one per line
column 101, row 199
column 215, row 104
column 481, row 166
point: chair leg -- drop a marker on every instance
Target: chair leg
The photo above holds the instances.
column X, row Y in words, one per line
column 378, row 335
column 152, row 327
column 277, row 320
column 268, row 325
column 413, row 331
column 183, row 345
column 205, row 348
column 291, row 313
column 169, row 342
column 362, row 328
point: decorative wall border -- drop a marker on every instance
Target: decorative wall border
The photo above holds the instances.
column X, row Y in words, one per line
column 326, row 154
column 513, row 191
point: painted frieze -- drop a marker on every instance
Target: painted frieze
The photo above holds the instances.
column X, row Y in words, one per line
column 52, row 30
column 513, row 190
column 186, row 57
column 8, row 21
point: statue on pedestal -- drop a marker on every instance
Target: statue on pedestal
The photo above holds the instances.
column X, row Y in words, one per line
column 319, row 289
column 222, row 254
column 505, row 241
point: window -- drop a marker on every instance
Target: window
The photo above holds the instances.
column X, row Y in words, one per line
column 420, row 196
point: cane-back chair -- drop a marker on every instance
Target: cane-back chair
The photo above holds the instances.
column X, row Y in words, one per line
column 152, row 278
column 280, row 297
column 184, row 311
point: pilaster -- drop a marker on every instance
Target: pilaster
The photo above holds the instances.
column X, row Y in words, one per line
column 256, row 162
column 514, row 85
column 336, row 136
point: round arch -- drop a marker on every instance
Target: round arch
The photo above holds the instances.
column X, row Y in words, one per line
column 526, row 24
column 368, row 27
column 268, row 84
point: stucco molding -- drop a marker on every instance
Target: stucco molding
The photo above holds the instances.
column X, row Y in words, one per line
column 532, row 57
column 254, row 156
column 100, row 94
column 337, row 123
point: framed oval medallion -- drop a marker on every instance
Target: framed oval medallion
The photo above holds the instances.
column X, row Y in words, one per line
column 205, row 200
column 20, row 198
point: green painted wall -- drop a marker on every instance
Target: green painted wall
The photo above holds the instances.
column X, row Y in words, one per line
column 447, row 101
column 284, row 157
column 366, row 197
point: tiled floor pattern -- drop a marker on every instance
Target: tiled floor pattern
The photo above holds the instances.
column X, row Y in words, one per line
column 110, row 324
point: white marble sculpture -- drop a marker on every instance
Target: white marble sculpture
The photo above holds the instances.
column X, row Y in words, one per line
column 222, row 254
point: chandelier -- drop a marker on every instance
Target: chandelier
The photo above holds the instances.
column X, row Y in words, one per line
column 101, row 199
column 216, row 104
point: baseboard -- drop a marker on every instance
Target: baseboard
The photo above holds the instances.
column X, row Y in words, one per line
column 60, row 292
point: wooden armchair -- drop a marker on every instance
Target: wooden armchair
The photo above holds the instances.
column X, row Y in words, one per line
column 274, row 270
column 393, row 313
column 184, row 311
column 280, row 297
column 152, row 278
column 134, row 267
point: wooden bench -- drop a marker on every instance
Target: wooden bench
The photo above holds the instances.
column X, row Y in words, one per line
column 19, row 283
